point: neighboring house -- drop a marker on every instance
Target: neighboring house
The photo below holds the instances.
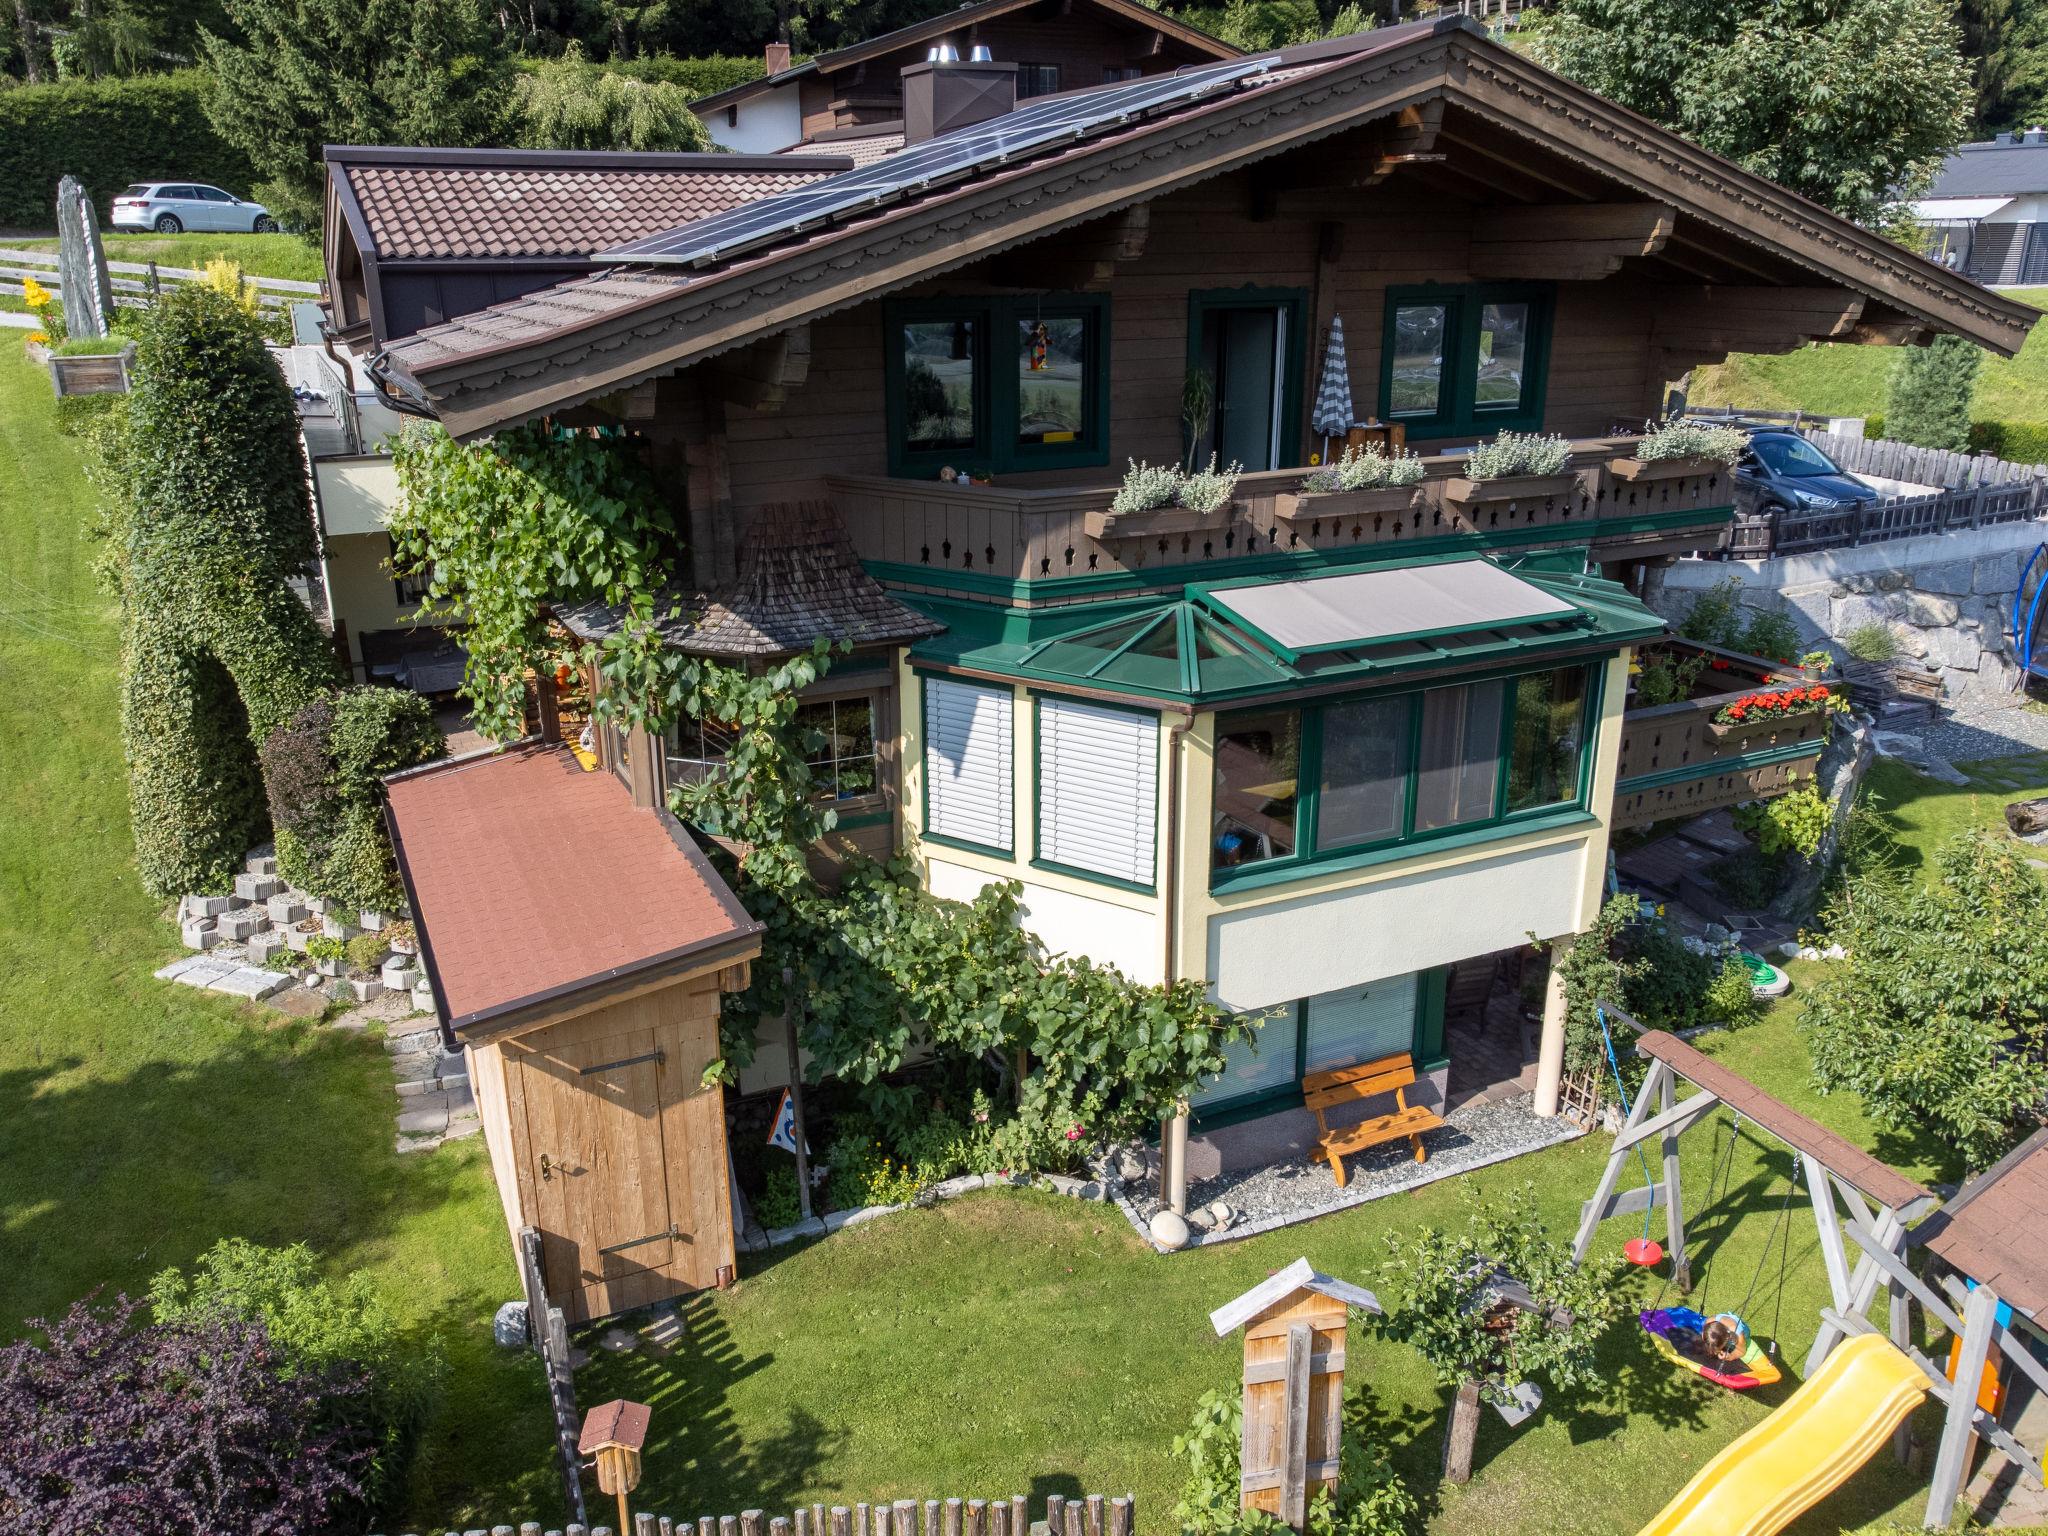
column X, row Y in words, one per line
column 856, row 93
column 1986, row 214
column 1317, row 756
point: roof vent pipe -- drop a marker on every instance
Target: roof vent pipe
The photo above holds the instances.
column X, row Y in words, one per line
column 942, row 95
column 979, row 54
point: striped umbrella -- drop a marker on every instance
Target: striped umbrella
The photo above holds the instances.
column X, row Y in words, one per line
column 1332, row 415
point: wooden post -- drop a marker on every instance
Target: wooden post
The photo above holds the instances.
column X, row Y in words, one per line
column 1952, row 1463
column 792, row 1011
column 1674, row 1206
column 1464, row 1435
column 1589, row 1219
column 1822, row 1193
column 1294, row 1427
column 1899, row 1328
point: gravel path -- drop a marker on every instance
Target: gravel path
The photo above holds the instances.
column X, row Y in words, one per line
column 1280, row 1194
column 1975, row 730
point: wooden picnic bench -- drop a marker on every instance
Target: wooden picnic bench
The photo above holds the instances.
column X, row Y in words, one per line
column 1324, row 1091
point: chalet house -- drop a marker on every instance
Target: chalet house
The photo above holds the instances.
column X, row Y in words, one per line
column 1986, row 214
column 1329, row 755
column 854, row 98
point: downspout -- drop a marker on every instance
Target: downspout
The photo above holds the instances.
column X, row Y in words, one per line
column 1173, row 1130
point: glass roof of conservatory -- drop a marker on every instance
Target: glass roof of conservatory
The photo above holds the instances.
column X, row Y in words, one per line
column 1205, row 645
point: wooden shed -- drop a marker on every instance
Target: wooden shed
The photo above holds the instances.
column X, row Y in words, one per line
column 578, row 946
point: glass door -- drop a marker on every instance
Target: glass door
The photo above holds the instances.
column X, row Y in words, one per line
column 1246, row 348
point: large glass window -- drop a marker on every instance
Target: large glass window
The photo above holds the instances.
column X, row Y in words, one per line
column 696, row 750
column 1457, row 755
column 1258, row 767
column 1470, row 359
column 1345, row 1028
column 996, row 384
column 1364, row 796
column 1549, row 731
column 842, row 752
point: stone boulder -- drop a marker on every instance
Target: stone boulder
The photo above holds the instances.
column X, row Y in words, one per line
column 2028, row 818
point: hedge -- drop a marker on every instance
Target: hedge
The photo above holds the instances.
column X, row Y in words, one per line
column 107, row 133
column 700, row 77
column 2017, row 442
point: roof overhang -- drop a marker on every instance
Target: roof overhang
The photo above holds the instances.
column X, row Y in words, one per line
column 1944, row 210
column 634, row 326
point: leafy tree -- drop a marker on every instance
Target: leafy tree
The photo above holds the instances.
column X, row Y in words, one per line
column 1938, row 1018
column 1258, row 24
column 294, row 75
column 569, row 104
column 322, row 1331
column 1931, row 391
column 195, row 1428
column 2007, row 42
column 1453, row 1304
column 1849, row 102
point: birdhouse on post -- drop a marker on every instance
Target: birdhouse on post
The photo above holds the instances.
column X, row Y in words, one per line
column 613, row 1433
column 1293, row 1385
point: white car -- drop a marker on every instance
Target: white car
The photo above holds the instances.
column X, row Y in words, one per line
column 169, row 207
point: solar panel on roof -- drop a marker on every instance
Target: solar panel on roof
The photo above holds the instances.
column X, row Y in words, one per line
column 948, row 158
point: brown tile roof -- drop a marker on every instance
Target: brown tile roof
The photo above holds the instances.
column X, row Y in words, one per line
column 799, row 579
column 862, row 149
column 531, row 879
column 1996, row 1229
column 483, row 212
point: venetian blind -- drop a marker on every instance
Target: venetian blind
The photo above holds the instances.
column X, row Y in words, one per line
column 1098, row 783
column 967, row 746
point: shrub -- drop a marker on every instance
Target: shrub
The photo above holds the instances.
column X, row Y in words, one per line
column 1771, row 633
column 365, row 952
column 108, row 133
column 202, row 1426
column 1682, row 438
column 1208, row 490
column 1666, row 678
column 1730, row 999
column 1872, row 642
column 1938, row 1018
column 1366, row 468
column 1371, row 1499
column 1795, row 822
column 1519, row 453
column 322, row 1330
column 568, row 104
column 1592, row 970
column 1717, row 617
column 779, row 1205
column 2019, row 442
column 1667, row 981
column 297, row 770
column 1931, row 388
column 1146, row 487
column 695, row 77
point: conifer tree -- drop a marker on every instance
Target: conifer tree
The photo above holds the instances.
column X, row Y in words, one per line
column 1931, row 392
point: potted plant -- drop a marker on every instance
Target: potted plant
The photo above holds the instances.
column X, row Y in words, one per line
column 1680, row 448
column 1515, row 467
column 301, row 934
column 1365, row 481
column 1163, row 498
column 401, row 937
column 328, row 955
column 91, row 365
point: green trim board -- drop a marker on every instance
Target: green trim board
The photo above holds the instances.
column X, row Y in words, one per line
column 1764, row 757
column 1295, row 561
column 995, row 393
column 1308, row 858
column 1251, row 877
column 1458, row 412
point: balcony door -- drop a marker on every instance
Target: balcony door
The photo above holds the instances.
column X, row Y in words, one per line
column 1245, row 347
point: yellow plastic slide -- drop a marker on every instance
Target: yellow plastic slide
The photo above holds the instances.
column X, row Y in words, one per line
column 1805, row 1450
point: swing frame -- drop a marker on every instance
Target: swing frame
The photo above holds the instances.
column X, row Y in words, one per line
column 1855, row 1200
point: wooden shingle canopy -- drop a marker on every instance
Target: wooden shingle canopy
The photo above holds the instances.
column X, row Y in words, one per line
column 1843, row 1158
column 1572, row 178
column 1996, row 1229
column 540, row 889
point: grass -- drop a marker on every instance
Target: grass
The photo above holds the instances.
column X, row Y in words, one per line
column 1909, row 816
column 1842, row 380
column 285, row 256
column 1011, row 1342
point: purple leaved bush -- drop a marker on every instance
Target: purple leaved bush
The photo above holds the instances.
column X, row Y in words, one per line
column 194, row 1429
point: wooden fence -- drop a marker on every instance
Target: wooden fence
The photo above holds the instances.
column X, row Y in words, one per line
column 1092, row 1515
column 134, row 281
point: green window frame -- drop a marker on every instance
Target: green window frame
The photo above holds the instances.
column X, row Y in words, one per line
column 1458, row 410
column 996, row 395
column 1309, row 855
column 1039, row 698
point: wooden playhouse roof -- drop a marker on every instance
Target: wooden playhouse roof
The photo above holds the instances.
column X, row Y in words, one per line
column 1996, row 1229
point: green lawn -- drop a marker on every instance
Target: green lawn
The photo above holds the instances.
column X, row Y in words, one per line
column 1008, row 1342
column 260, row 255
column 1842, row 380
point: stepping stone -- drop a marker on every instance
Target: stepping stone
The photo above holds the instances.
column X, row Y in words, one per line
column 462, row 1125
column 247, row 981
column 199, row 934
column 416, row 1067
column 181, row 965
column 206, row 973
column 257, row 887
column 426, row 1116
column 413, row 1040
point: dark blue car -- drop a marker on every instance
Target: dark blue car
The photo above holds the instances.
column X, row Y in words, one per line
column 1782, row 470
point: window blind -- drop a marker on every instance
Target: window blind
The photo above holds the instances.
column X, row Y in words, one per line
column 967, row 745
column 1098, row 784
column 1360, row 1024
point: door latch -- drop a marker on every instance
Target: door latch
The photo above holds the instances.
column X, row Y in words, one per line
column 547, row 1169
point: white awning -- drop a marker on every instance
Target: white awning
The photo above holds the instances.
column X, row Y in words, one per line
column 1326, row 613
column 1951, row 210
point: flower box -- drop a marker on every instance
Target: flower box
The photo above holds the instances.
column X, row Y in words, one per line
column 1461, row 491
column 92, row 373
column 1761, row 725
column 1106, row 524
column 1664, row 469
column 1305, row 506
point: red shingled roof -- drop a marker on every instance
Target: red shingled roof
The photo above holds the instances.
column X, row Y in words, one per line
column 480, row 212
column 531, row 879
column 1996, row 1229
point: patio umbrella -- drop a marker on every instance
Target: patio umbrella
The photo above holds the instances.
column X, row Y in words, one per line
column 1332, row 415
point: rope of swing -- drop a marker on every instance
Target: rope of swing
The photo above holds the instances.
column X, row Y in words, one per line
column 1780, row 1233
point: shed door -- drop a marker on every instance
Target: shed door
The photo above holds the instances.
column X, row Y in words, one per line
column 618, row 1216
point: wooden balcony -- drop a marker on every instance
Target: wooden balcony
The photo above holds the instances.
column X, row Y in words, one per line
column 1674, row 761
column 973, row 536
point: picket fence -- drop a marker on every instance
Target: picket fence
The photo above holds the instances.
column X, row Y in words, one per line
column 1089, row 1515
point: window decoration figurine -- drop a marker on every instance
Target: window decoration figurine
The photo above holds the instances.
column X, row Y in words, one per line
column 1038, row 334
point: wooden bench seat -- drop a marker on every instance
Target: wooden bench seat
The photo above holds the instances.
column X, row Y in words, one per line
column 1324, row 1091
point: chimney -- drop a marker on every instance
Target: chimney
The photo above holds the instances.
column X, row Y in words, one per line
column 776, row 57
column 944, row 93
column 2035, row 136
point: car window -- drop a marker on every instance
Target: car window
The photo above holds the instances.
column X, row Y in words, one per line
column 184, row 194
column 1793, row 457
column 140, row 189
column 214, row 195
